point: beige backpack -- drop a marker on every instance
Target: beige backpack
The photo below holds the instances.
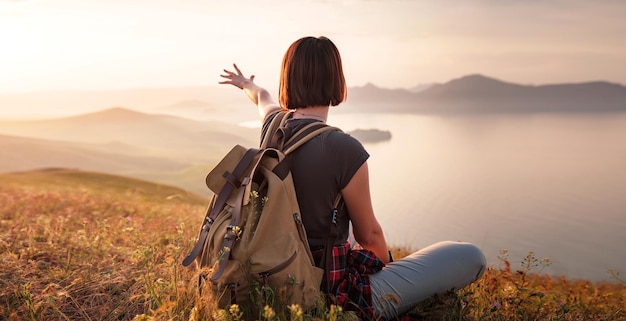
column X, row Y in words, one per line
column 252, row 235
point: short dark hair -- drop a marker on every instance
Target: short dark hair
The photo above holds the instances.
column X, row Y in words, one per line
column 311, row 74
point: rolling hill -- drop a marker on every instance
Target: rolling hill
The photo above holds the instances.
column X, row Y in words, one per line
column 165, row 149
column 132, row 127
column 62, row 179
column 23, row 153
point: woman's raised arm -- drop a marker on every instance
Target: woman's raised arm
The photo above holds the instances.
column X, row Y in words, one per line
column 258, row 95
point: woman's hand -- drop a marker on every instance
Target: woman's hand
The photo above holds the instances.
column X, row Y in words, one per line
column 259, row 96
column 236, row 79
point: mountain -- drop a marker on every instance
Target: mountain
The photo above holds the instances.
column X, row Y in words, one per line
column 472, row 86
column 480, row 94
column 477, row 93
column 420, row 88
column 147, row 131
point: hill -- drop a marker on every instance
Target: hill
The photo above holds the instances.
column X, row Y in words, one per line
column 132, row 127
column 162, row 148
column 63, row 180
column 80, row 245
column 23, row 153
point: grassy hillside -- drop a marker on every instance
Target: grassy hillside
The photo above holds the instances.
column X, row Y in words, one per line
column 87, row 246
column 60, row 180
column 166, row 149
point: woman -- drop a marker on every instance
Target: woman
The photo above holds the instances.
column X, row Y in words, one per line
column 366, row 281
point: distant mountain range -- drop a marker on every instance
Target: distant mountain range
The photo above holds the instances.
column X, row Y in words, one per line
column 480, row 94
column 469, row 94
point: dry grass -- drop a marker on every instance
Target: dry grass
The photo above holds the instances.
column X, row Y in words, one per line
column 81, row 246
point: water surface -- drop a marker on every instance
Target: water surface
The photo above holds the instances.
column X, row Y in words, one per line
column 552, row 184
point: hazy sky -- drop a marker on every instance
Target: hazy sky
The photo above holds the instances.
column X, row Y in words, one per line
column 89, row 44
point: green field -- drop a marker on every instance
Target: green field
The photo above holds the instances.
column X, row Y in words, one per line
column 87, row 246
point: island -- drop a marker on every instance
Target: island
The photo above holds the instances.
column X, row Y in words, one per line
column 371, row 135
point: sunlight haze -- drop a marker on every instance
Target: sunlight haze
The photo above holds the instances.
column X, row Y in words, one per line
column 87, row 44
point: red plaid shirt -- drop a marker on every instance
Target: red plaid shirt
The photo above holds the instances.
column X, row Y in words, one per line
column 348, row 280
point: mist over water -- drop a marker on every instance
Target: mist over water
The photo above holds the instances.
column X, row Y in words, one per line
column 552, row 184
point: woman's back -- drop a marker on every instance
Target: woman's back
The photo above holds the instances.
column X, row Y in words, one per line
column 321, row 168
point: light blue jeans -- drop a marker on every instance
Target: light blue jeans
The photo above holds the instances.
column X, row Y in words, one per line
column 435, row 269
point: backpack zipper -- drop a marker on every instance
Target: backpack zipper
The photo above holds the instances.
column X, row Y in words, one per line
column 302, row 234
column 266, row 274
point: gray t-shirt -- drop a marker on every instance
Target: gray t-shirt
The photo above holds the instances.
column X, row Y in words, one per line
column 321, row 168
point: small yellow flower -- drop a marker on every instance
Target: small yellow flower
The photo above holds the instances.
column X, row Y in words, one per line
column 237, row 231
column 268, row 313
column 235, row 312
column 220, row 315
column 335, row 311
column 296, row 312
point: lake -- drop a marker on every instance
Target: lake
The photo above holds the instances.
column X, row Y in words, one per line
column 552, row 184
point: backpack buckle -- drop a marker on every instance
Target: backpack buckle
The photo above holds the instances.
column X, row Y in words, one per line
column 207, row 225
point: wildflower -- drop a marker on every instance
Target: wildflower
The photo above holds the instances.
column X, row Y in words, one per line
column 268, row 313
column 220, row 314
column 235, row 312
column 143, row 317
column 237, row 231
column 291, row 279
column 296, row 312
column 333, row 314
column 224, row 251
column 509, row 291
column 495, row 305
column 254, row 194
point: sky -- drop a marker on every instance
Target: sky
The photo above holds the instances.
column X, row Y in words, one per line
column 114, row 44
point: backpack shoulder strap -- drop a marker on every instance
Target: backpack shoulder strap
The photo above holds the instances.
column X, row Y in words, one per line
column 305, row 134
column 269, row 136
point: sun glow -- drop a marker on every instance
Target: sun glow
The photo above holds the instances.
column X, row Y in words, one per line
column 89, row 44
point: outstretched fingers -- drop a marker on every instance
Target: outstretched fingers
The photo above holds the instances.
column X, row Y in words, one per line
column 238, row 71
column 235, row 78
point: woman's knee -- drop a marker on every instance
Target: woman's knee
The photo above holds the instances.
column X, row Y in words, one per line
column 472, row 257
column 477, row 257
column 466, row 254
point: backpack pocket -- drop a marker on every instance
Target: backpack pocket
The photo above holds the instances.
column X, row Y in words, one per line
column 289, row 273
column 233, row 285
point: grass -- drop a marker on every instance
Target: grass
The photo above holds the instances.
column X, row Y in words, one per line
column 87, row 246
